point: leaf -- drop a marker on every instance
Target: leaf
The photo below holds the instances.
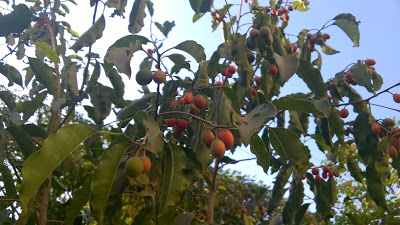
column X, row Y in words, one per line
column 16, row 21
column 367, row 143
column 127, row 40
column 47, row 51
column 91, row 35
column 360, row 75
column 180, row 62
column 375, row 186
column 279, row 184
column 23, row 140
column 184, row 218
column 103, row 179
column 254, row 120
column 136, row 105
column 355, row 170
column 202, row 152
column 328, row 49
column 12, row 74
column 201, row 6
column 8, row 99
column 257, row 147
column 287, row 65
column 137, row 16
column 119, row 5
column 318, row 61
column 308, row 105
column 155, row 137
column 44, row 74
column 28, row 108
column 69, row 72
column 299, row 5
column 233, row 97
column 336, row 124
column 312, row 77
column 288, row 145
column 300, row 213
column 347, row 22
column 173, row 178
column 143, row 217
column 93, row 78
column 202, row 75
column 325, row 196
column 295, row 198
column 118, row 85
column 193, row 49
column 166, row 27
column 35, row 172
column 78, row 201
column 101, row 102
column 150, row 7
column 7, row 182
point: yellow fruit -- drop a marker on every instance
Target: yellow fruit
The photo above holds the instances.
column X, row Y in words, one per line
column 134, row 167
column 159, row 77
column 218, row 149
column 207, row 138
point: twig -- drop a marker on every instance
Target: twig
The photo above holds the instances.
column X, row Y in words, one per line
column 211, row 195
column 197, row 117
column 236, row 161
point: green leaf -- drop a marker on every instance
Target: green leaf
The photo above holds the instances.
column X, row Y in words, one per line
column 78, row 201
column 91, row 35
column 137, row 105
column 308, row 105
column 193, row 49
column 8, row 99
column 233, row 97
column 12, row 74
column 173, row 179
column 150, row 7
column 155, row 137
column 137, row 16
column 202, row 75
column 44, row 74
column 355, row 170
column 179, row 61
column 127, row 40
column 119, row 5
column 143, row 217
column 118, row 85
column 70, row 71
column 47, row 51
column 7, row 182
column 375, row 186
column 197, row 16
column 166, row 27
column 296, row 196
column 312, row 77
column 201, row 6
column 325, row 196
column 318, row 61
column 347, row 22
column 101, row 101
column 23, row 140
column 93, row 78
column 287, row 65
column 288, row 145
column 184, row 218
column 377, row 80
column 202, row 152
column 360, row 75
column 367, row 143
column 300, row 213
column 299, row 5
column 257, row 147
column 254, row 121
column 16, row 21
column 28, row 108
column 35, row 172
column 328, row 49
column 278, row 190
column 103, row 179
column 336, row 124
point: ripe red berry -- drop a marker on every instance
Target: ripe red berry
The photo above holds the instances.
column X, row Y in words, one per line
column 294, row 48
column 396, row 98
column 232, row 69
column 273, row 70
column 181, row 101
column 326, row 169
column 201, row 217
column 324, row 175
column 150, row 52
column 370, row 62
column 227, row 137
column 348, row 75
column 315, row 170
column 273, row 11
column 303, row 176
column 369, row 71
column 219, row 83
column 225, row 72
column 326, row 36
column 286, row 17
column 257, row 80
column 200, row 101
column 344, row 113
column 395, row 141
column 376, row 128
column 176, row 93
column 188, row 98
column 229, row 75
column 244, row 210
column 171, row 122
column 290, row 8
column 279, row 12
column 393, row 152
column 181, row 125
column 173, row 103
column 253, row 92
column 317, row 178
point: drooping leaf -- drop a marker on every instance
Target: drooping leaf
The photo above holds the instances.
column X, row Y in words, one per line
column 325, row 196
column 101, row 100
column 375, row 186
column 166, row 27
column 8, row 99
column 321, row 106
column 367, row 143
column 202, row 152
column 202, row 76
column 336, row 124
column 193, row 49
column 287, row 65
column 8, row 182
column 183, row 218
column 257, row 147
column 28, row 108
column 135, row 106
column 137, row 16
column 295, row 198
column 360, row 75
column 201, row 6
column 347, row 22
column 288, row 145
column 150, row 7
column 16, row 21
column 47, row 51
column 232, row 95
column 155, row 137
column 44, row 74
column 35, row 172
column 93, row 78
column 118, row 85
column 279, row 184
column 91, row 35
column 143, row 217
column 328, row 49
column 180, row 62
column 300, row 213
column 81, row 197
column 312, row 77
column 318, row 61
column 103, row 179
column 119, row 5
column 355, row 170
column 23, row 140
column 70, row 73
column 11, row 73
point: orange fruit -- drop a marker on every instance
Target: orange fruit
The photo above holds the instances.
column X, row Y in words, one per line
column 146, row 164
column 226, row 137
column 218, row 149
column 207, row 137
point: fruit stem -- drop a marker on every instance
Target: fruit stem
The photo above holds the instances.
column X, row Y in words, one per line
column 211, row 195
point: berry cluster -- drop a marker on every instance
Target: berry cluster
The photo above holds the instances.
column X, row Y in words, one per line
column 218, row 146
column 135, row 166
column 386, row 130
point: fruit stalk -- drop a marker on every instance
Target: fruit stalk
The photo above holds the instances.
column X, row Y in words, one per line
column 211, row 195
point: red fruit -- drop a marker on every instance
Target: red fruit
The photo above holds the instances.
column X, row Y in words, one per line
column 188, row 98
column 294, row 48
column 344, row 113
column 324, row 175
column 218, row 149
column 159, row 77
column 173, row 103
column 150, row 52
column 229, row 75
column 273, row 70
column 245, row 1
column 200, row 101
column 207, row 137
column 393, row 152
column 396, row 132
column 315, row 170
column 219, row 83
column 171, row 122
column 253, row 92
column 395, row 141
column 225, row 72
column 376, row 128
column 146, row 164
column 75, row 190
column 181, row 101
column 348, row 75
column 369, row 71
column 396, row 98
column 181, row 125
column 303, row 176
column 326, row 36
column 157, row 67
column 370, row 62
column 317, row 178
column 273, row 11
column 201, row 217
column 286, row 17
column 326, row 169
column 193, row 110
column 232, row 69
column 290, row 8
column 243, row 115
column 176, row 93
column 244, row 211
column 280, row 12
column 257, row 80
column 227, row 137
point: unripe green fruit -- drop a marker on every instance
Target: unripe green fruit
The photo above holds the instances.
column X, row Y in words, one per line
column 251, row 43
column 265, row 31
column 134, row 167
column 250, row 57
column 144, row 77
column 319, row 41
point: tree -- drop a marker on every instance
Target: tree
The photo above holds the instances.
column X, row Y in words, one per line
column 64, row 168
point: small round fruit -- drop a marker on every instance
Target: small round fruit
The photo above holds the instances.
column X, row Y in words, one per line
column 143, row 77
column 285, row 10
column 146, row 164
column 313, row 37
column 219, row 83
column 396, row 132
column 376, row 128
column 134, row 167
column 265, row 31
column 227, row 137
column 173, row 103
column 201, row 217
column 244, row 210
column 257, row 80
column 159, row 77
column 250, row 57
column 370, row 62
column 369, row 71
column 200, row 101
column 344, row 113
column 290, row 8
column 393, row 152
column 348, row 75
column 218, row 149
column 286, row 17
column 395, row 141
column 294, row 48
column 303, row 176
column 188, row 98
column 315, row 171
column 171, row 122
column 207, row 137
column 273, row 70
column 326, row 169
column 254, row 33
column 324, row 175
column 396, row 98
column 326, row 36
column 253, row 92
column 388, row 123
column 280, row 12
column 318, row 178
column 181, row 124
column 150, row 52
column 225, row 72
column 181, row 101
column 232, row 69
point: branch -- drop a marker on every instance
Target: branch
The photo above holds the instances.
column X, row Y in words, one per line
column 236, row 161
column 197, row 117
column 211, row 195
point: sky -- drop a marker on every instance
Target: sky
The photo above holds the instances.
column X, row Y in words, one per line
column 378, row 40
